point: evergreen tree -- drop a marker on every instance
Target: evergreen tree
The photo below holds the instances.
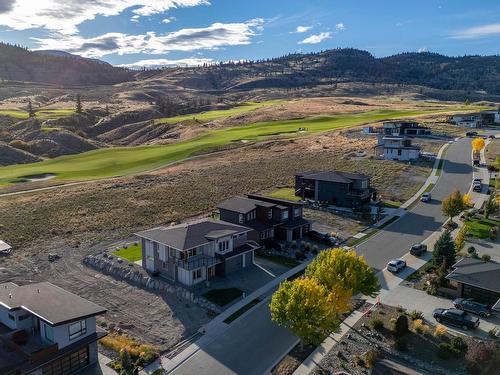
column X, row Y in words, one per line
column 78, row 107
column 444, row 250
column 31, row 111
column 127, row 367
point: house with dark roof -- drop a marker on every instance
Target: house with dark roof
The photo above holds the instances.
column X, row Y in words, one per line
column 404, row 127
column 477, row 279
column 399, row 148
column 268, row 218
column 342, row 189
column 194, row 252
column 44, row 329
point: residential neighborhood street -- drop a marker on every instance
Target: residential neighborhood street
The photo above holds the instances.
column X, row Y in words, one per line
column 238, row 349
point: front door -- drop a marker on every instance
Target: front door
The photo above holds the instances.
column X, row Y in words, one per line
column 211, row 272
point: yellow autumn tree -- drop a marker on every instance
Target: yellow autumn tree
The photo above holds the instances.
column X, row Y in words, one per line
column 345, row 269
column 478, row 144
column 467, row 199
column 308, row 309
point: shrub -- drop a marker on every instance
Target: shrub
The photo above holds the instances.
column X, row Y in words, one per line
column 493, row 333
column 471, row 250
column 401, row 326
column 486, row 257
column 293, row 244
column 371, row 357
column 139, row 353
column 315, row 249
column 446, row 351
column 440, row 331
column 459, row 344
column 418, row 325
column 416, row 314
column 299, row 255
column 377, row 324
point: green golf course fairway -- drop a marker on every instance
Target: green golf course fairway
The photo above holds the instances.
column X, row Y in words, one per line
column 121, row 161
column 42, row 114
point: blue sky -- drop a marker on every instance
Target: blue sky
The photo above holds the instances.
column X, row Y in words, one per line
column 164, row 32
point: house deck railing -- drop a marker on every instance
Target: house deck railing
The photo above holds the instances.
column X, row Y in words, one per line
column 197, row 262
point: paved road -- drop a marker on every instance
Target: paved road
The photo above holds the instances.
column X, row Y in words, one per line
column 252, row 344
column 425, row 218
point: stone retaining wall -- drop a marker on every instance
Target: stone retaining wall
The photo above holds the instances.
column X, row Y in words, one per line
column 135, row 275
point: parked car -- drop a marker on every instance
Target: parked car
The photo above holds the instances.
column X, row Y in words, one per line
column 471, row 134
column 426, row 197
column 418, row 249
column 477, row 181
column 491, row 136
column 477, row 187
column 396, row 265
column 456, row 317
column 322, row 237
column 469, row 305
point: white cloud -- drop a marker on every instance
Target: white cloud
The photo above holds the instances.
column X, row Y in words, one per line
column 214, row 36
column 168, row 20
column 318, row 38
column 340, row 27
column 156, row 63
column 64, row 16
column 478, row 32
column 302, row 29
column 135, row 18
column 422, row 49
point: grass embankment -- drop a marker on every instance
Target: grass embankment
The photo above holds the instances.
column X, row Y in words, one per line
column 218, row 114
column 222, row 297
column 284, row 193
column 121, row 161
column 43, row 114
column 131, row 253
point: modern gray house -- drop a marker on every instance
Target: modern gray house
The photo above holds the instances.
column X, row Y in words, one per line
column 404, row 127
column 268, row 218
column 477, row 279
column 342, row 189
column 195, row 252
column 45, row 330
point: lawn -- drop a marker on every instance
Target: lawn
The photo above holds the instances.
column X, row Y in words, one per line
column 280, row 259
column 131, row 253
column 479, row 227
column 284, row 193
column 43, row 114
column 217, row 114
column 222, row 297
column 121, row 161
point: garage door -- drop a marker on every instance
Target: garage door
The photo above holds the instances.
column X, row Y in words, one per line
column 68, row 364
column 234, row 264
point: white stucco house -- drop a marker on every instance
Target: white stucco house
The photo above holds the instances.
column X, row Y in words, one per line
column 399, row 148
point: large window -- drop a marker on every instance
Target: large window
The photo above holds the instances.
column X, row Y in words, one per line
column 68, row 364
column 49, row 333
column 77, row 329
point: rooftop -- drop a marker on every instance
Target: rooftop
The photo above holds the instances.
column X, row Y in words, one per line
column 242, row 205
column 189, row 235
column 48, row 302
column 4, row 246
column 478, row 273
column 333, row 176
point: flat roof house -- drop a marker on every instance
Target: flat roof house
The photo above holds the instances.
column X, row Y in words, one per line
column 404, row 127
column 343, row 189
column 477, row 279
column 399, row 148
column 194, row 252
column 46, row 330
column 269, row 218
column 470, row 120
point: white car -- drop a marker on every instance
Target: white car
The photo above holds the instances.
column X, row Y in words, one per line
column 426, row 197
column 396, row 265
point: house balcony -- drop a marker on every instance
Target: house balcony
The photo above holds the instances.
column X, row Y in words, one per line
column 197, row 261
column 361, row 194
column 29, row 345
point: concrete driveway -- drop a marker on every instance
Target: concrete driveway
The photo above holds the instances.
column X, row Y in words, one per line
column 413, row 299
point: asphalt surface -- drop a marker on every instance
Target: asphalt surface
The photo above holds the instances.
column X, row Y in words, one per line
column 253, row 343
column 423, row 219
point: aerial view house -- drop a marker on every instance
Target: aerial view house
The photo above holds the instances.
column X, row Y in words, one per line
column 269, row 218
column 402, row 128
column 195, row 252
column 471, row 120
column 399, row 148
column 45, row 330
column 477, row 279
column 490, row 117
column 342, row 189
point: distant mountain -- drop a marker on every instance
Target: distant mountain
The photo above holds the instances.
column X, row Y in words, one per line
column 468, row 73
column 57, row 67
column 56, row 53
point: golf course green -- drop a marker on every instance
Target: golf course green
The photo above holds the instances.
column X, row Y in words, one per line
column 121, row 161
